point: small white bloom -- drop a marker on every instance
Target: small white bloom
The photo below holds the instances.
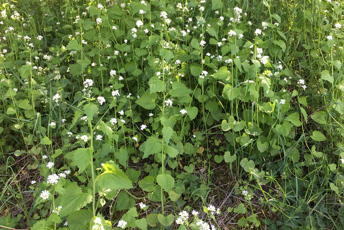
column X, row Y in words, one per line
column 99, row 21
column 53, row 179
column 245, row 193
column 202, row 43
column 169, row 102
column 179, row 221
column 143, row 127
column 163, row 14
column 258, row 32
column 139, row 23
column 231, row 33
column 33, row 182
column 338, row 25
column 45, row 157
column 122, row 224
column 99, row 137
column 342, row 160
column 329, row 37
column 45, row 194
column 113, row 121
column 98, row 220
column 62, row 175
column 84, row 138
column 50, row 165
column 142, row 205
column 101, row 100
column 282, row 101
column 195, row 213
column 52, row 124
column 183, row 111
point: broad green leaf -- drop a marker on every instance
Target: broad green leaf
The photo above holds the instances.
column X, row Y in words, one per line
column 156, row 85
column 94, row 11
column 24, row 104
column 167, row 133
column 212, row 32
column 179, row 90
column 73, row 199
column 113, row 178
column 294, row 119
column 130, row 217
column 165, row 181
column 133, row 175
column 196, row 70
column 124, row 202
column 88, row 23
column 140, row 52
column 152, row 219
column 229, row 158
column 319, row 117
column 281, row 44
column 147, row 184
column 234, row 49
column 122, row 156
column 166, row 220
column 316, row 154
column 239, row 126
column 174, row 196
column 242, row 222
column 337, row 64
column 222, row 74
column 84, row 63
column 218, row 159
column 262, row 147
column 79, row 219
column 172, row 152
column 216, row 4
column 147, row 100
column 90, row 110
column 240, row 209
column 189, row 168
column 153, row 145
column 294, row 154
column 304, row 113
column 192, row 112
column 46, row 141
column 334, row 188
column 40, row 225
column 141, row 223
column 194, row 43
column 166, row 54
column 80, row 158
column 75, row 69
column 74, row 45
column 325, row 75
column 318, row 136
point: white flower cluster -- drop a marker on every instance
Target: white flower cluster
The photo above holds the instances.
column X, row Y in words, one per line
column 301, row 83
column 98, row 224
column 203, row 74
column 88, row 83
column 57, row 210
column 122, row 224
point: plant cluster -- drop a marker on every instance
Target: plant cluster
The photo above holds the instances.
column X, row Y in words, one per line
column 172, row 115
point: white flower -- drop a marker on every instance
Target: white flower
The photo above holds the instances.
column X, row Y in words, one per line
column 50, row 165
column 219, row 44
column 45, row 194
column 99, row 137
column 122, row 224
column 179, row 221
column 342, row 160
column 231, row 33
column 245, row 193
column 63, row 120
column 98, row 220
column 211, row 208
column 146, row 31
column 84, row 138
column 53, row 179
column 121, row 112
column 202, row 43
column 142, row 205
column 33, row 182
column 100, row 6
column 150, row 114
column 123, row 121
column 184, row 215
column 329, row 37
column 39, row 37
column 338, row 25
column 141, row 12
column 177, row 62
column 122, row 5
column 264, row 59
column 99, row 21
column 258, row 32
column 57, row 210
column 88, row 83
column 52, row 124
column 113, row 121
column 195, row 213
column 282, row 101
column 101, row 100
column 169, row 102
column 240, row 36
column 62, row 175
column 163, row 14
column 139, row 23
column 45, row 157
column 143, row 127
column 115, row 93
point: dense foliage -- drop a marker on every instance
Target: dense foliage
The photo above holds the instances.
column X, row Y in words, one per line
column 217, row 114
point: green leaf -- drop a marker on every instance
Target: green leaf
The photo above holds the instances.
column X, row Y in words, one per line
column 147, row 184
column 74, row 45
column 222, row 74
column 113, row 178
column 90, row 110
column 124, row 202
column 192, row 112
column 334, row 188
column 156, row 85
column 147, row 100
column 216, row 4
column 166, row 220
column 141, row 223
column 122, row 156
column 230, row 92
column 337, row 64
column 212, row 32
column 80, row 158
column 84, row 63
column 318, row 136
column 133, row 175
column 24, row 104
column 153, row 145
column 167, row 133
column 130, row 217
column 166, row 54
column 242, row 222
column 140, row 52
column 189, row 168
column 179, row 90
column 240, row 209
column 294, row 154
column 319, row 117
column 196, row 70
column 40, row 225
column 79, row 219
column 174, row 196
column 316, row 154
column 218, row 159
column 325, row 75
column 88, row 23
column 294, row 119
column 229, row 158
column 73, row 199
column 46, row 141
column 152, row 219
column 172, row 152
column 262, row 147
column 165, row 181
column 281, row 44
column 194, row 43
column 75, row 69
